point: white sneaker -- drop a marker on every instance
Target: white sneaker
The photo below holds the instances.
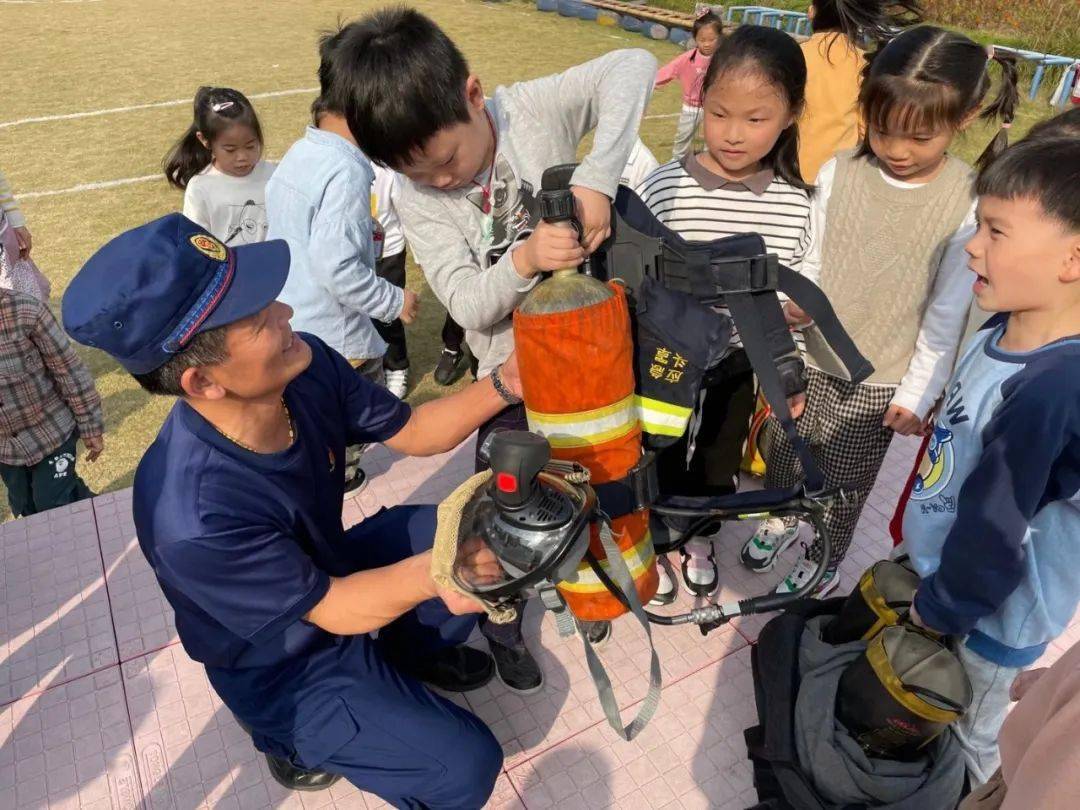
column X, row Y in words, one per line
column 668, row 588
column 802, row 572
column 397, row 382
column 759, row 553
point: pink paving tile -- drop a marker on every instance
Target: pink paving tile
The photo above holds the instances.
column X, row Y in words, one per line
column 69, row 747
column 568, row 704
column 395, row 479
column 54, row 614
column 192, row 754
column 692, row 753
column 143, row 619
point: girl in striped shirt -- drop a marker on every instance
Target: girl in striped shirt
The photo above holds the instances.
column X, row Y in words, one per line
column 746, row 181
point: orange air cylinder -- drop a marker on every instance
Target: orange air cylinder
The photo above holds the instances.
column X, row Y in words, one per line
column 577, row 377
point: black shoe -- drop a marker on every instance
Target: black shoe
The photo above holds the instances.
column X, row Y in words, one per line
column 454, row 669
column 516, row 668
column 597, row 633
column 357, row 482
column 450, row 367
column 289, row 776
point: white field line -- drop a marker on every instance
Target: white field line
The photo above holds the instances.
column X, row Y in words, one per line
column 125, row 181
column 45, row 2
column 145, row 178
column 41, row 119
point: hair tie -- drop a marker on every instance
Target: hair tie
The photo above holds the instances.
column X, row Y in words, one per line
column 1006, row 125
column 221, row 105
column 702, row 12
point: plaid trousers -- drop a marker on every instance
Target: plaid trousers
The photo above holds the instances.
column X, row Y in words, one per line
column 842, row 426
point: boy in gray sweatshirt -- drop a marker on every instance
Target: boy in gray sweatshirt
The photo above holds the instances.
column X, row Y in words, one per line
column 473, row 166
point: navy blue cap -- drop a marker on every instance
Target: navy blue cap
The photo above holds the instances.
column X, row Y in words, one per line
column 144, row 295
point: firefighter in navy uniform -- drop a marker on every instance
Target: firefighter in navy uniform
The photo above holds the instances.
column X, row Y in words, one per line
column 238, row 509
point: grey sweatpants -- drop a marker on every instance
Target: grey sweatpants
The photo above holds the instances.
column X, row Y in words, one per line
column 978, row 729
column 687, row 127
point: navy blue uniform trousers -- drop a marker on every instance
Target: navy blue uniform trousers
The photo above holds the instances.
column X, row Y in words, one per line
column 350, row 712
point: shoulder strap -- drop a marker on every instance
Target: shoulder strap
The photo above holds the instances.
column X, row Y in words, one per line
column 625, row 583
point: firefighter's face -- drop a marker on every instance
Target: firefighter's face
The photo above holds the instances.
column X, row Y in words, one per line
column 745, row 115
column 454, row 156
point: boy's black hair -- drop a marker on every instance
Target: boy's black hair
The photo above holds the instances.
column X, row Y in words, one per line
column 1046, row 169
column 708, row 18
column 780, row 61
column 206, row 349
column 860, row 21
column 397, row 78
column 931, row 78
column 215, row 110
column 1061, row 125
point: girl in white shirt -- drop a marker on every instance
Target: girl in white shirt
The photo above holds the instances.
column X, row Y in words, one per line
column 218, row 164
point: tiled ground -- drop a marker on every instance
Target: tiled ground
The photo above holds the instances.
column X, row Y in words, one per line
column 100, row 708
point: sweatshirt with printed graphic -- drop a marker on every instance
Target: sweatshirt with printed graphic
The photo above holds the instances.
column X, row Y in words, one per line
column 993, row 524
column 463, row 250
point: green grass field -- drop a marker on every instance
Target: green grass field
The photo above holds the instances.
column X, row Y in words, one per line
column 113, row 57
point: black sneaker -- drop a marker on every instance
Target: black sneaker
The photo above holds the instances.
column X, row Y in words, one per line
column 454, row 669
column 357, row 482
column 516, row 668
column 597, row 633
column 450, row 367
column 289, row 776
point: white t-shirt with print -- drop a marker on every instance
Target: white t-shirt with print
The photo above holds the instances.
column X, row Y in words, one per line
column 232, row 208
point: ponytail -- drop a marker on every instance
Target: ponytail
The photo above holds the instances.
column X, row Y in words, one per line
column 1003, row 106
column 215, row 109
column 933, row 78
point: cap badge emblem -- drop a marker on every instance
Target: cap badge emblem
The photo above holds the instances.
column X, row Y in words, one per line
column 209, row 246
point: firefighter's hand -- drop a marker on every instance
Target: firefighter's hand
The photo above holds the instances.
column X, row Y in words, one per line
column 796, row 315
column 476, row 565
column 797, row 404
column 549, row 247
column 95, row 445
column 410, row 307
column 594, row 214
column 902, row 421
column 25, row 240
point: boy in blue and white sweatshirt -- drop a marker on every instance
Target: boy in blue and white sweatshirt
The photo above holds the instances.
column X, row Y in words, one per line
column 993, row 524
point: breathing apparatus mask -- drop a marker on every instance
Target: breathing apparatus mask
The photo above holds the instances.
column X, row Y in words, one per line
column 524, row 525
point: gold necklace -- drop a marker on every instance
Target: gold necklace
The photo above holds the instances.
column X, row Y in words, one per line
column 248, row 447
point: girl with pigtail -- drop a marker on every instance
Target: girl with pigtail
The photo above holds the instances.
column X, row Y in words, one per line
column 218, row 165
column 892, row 218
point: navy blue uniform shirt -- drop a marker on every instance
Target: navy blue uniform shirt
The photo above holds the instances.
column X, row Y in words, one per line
column 243, row 544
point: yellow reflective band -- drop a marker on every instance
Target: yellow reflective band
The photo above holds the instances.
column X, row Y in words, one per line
column 639, row 558
column 585, row 428
column 662, row 418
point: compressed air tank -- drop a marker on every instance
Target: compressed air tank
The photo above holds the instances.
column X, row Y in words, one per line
column 575, row 353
